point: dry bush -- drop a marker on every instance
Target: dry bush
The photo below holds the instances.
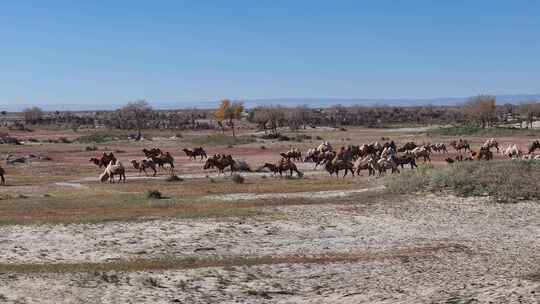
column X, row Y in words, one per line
column 505, row 181
column 237, row 178
column 174, row 178
column 154, row 194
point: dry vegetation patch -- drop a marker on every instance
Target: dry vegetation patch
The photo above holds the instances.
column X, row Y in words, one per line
column 506, row 181
column 168, row 263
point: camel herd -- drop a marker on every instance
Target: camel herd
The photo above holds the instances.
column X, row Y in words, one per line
column 375, row 158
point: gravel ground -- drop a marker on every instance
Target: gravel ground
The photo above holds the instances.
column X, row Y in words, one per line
column 494, row 247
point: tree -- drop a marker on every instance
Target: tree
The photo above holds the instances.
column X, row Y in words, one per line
column 528, row 111
column 482, row 109
column 136, row 114
column 228, row 112
column 33, row 115
column 270, row 115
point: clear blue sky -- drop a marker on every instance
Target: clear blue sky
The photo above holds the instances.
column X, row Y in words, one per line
column 102, row 52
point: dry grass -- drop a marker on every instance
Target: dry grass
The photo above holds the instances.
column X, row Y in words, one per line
column 507, row 181
column 90, row 206
column 170, row 263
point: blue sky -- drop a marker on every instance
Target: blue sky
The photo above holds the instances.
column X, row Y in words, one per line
column 103, row 52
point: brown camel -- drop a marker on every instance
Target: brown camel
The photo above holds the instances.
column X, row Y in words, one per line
column 220, row 162
column 2, row 178
column 154, row 152
column 460, row 145
column 192, row 154
column 143, row 165
column 104, row 160
column 163, row 160
column 338, row 165
column 533, row 146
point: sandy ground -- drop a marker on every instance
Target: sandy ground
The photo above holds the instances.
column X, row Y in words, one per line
column 490, row 249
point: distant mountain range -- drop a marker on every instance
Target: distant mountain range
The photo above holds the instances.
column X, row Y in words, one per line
column 311, row 102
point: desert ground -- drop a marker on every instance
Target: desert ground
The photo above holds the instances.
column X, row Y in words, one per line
column 65, row 237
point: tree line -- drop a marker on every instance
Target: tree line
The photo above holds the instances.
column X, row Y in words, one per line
column 480, row 111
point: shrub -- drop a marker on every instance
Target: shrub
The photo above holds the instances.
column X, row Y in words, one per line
column 318, row 137
column 154, row 194
column 284, row 138
column 223, row 140
column 97, row 137
column 92, row 148
column 488, row 132
column 263, row 147
column 174, row 178
column 506, row 181
column 237, row 178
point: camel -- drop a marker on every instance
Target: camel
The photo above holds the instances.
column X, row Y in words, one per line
column 192, row 154
column 484, row 153
column 439, row 147
column 220, row 162
column 114, row 168
column 383, row 164
column 283, row 166
column 154, row 152
column 491, row 143
column 387, row 152
column 293, row 154
column 323, row 158
column 460, row 145
column 338, row 165
column 363, row 164
column 143, row 165
column 2, row 178
column 512, row 151
column 104, row 160
column 287, row 165
column 407, row 147
column 163, row 160
column 324, row 147
column 533, row 146
column 390, row 144
column 420, row 152
column 406, row 159
column 366, row 150
column 272, row 167
column 311, row 154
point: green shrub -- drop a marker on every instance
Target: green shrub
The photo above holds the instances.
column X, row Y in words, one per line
column 507, row 181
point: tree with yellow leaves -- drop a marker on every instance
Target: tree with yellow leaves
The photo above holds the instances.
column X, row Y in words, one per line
column 228, row 112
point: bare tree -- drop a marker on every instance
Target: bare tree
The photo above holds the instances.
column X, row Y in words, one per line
column 33, row 115
column 273, row 115
column 528, row 111
column 482, row 110
column 137, row 114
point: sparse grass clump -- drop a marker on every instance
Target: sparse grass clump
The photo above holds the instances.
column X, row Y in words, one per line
column 174, row 178
column 154, row 194
column 237, row 178
column 506, row 181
